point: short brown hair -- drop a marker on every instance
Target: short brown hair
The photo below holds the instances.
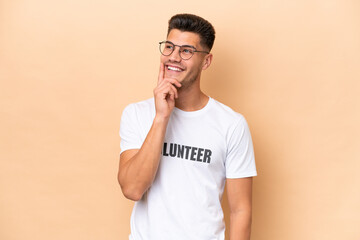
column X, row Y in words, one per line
column 195, row 24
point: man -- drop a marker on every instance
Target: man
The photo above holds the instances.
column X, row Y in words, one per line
column 179, row 148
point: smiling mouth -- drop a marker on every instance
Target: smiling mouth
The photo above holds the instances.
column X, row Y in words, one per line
column 173, row 68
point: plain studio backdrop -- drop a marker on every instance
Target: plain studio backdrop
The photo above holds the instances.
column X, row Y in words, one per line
column 68, row 68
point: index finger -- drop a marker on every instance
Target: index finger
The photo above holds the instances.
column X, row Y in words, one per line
column 161, row 73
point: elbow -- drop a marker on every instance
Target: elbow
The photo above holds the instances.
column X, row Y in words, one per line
column 130, row 192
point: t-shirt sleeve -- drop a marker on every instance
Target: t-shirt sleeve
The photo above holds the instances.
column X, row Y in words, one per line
column 129, row 130
column 240, row 160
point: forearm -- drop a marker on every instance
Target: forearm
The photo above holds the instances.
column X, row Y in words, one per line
column 137, row 174
column 240, row 225
column 138, row 168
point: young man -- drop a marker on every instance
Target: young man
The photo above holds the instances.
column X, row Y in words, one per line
column 180, row 147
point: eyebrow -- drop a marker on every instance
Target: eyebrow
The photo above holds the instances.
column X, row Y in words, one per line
column 182, row 45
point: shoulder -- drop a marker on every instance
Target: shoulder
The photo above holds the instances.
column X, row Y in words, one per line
column 145, row 106
column 139, row 115
column 227, row 114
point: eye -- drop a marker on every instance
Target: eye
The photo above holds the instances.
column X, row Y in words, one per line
column 169, row 46
column 188, row 50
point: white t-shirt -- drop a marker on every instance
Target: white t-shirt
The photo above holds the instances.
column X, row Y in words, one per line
column 201, row 149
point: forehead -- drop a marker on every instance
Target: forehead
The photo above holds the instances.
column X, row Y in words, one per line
column 184, row 38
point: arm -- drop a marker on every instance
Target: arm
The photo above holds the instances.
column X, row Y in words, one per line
column 239, row 193
column 138, row 167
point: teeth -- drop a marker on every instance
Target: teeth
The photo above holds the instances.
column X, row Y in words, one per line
column 174, row 68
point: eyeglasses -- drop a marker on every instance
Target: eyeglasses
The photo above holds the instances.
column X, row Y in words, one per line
column 185, row 51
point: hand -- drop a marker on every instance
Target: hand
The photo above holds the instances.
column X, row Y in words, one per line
column 165, row 94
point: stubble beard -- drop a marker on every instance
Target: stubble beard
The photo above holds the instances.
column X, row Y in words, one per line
column 187, row 83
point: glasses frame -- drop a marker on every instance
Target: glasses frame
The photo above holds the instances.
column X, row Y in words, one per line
column 180, row 46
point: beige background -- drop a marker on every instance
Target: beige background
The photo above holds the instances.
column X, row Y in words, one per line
column 68, row 68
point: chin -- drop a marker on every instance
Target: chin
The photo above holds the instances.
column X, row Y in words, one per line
column 173, row 76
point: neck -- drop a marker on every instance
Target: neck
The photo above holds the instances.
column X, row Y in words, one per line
column 192, row 98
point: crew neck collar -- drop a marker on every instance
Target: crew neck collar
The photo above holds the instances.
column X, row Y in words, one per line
column 178, row 111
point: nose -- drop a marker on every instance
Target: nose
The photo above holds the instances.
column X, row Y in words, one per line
column 175, row 55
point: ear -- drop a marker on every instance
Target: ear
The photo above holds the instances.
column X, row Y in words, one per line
column 207, row 61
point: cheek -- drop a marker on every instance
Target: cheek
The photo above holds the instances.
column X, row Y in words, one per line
column 162, row 58
column 196, row 68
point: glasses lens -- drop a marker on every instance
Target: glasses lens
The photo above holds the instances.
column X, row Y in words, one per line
column 166, row 48
column 186, row 52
